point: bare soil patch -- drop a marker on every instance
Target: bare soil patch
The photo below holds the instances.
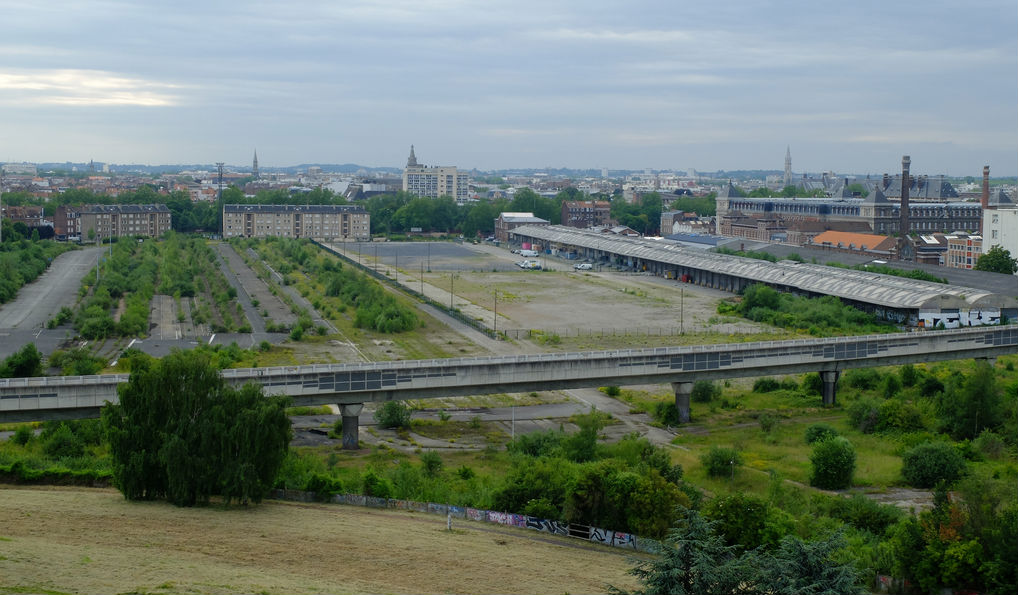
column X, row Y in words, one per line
column 94, row 541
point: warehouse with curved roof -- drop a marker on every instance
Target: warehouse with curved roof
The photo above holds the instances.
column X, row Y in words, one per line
column 908, row 301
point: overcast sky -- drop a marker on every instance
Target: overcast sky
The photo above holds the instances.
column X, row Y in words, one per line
column 850, row 86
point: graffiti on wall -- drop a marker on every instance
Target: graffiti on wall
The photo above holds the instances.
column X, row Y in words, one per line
column 556, row 527
column 613, row 538
column 958, row 319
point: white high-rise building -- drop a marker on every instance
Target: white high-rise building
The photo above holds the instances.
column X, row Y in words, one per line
column 433, row 182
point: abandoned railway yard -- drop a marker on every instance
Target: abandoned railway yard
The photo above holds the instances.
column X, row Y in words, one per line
column 255, row 303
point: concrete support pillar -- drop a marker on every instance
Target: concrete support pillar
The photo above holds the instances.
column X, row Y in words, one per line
column 830, row 380
column 682, row 392
column 350, row 425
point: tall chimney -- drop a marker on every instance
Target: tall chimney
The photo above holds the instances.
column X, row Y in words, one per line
column 906, row 183
column 985, row 200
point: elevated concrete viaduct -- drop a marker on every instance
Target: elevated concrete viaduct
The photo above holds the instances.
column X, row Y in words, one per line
column 352, row 385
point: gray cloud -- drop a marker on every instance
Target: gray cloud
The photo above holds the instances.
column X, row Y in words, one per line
column 663, row 84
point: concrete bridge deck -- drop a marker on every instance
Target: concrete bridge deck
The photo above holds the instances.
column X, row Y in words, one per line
column 351, row 385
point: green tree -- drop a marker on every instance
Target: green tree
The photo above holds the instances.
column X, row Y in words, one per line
column 24, row 363
column 967, row 408
column 693, row 560
column 997, row 260
column 180, row 433
column 833, row 464
column 931, row 462
column 799, row 566
column 393, row 414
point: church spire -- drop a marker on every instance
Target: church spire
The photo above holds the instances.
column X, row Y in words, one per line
column 412, row 160
column 254, row 165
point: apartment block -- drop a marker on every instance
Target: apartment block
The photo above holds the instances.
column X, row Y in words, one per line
column 435, row 181
column 339, row 222
column 94, row 223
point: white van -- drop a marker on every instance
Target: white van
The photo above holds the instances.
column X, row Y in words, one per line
column 528, row 253
column 583, row 266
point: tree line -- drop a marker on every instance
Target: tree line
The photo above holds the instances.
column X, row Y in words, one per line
column 391, row 213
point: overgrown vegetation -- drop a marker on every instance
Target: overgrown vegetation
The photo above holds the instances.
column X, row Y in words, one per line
column 967, row 541
column 880, row 269
column 118, row 303
column 22, row 260
column 336, row 288
column 821, row 316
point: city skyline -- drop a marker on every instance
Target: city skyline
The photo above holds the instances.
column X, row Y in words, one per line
column 849, row 88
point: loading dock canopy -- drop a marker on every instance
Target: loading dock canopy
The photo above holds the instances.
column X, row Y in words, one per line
column 887, row 291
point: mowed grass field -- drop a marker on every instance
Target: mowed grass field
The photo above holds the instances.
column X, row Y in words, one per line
column 72, row 540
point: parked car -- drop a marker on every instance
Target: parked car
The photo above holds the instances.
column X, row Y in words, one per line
column 583, row 266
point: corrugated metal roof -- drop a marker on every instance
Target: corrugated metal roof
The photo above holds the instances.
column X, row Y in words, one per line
column 859, row 286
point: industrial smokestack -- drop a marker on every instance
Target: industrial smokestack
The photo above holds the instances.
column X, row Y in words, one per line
column 985, row 200
column 906, row 183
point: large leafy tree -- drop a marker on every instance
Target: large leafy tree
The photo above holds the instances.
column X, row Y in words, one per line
column 180, row 433
column 970, row 406
column 997, row 260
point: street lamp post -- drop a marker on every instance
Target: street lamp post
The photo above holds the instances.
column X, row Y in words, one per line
column 494, row 319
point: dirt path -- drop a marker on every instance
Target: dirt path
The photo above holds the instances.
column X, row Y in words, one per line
column 93, row 541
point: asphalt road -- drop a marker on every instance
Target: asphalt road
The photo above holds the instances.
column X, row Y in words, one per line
column 39, row 301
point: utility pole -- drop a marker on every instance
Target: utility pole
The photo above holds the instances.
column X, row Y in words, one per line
column 452, row 276
column 494, row 319
column 219, row 201
column 682, row 310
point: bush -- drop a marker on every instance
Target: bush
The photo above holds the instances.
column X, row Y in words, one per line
column 766, row 385
column 611, row 391
column 324, row 486
column 930, row 386
column 742, row 520
column 931, row 462
column 863, row 378
column 431, row 461
column 859, row 511
column 63, row 443
column 393, row 414
column 667, row 413
column 536, row 444
column 720, row 462
column 833, row 464
column 23, row 435
column 909, row 375
column 812, row 384
column 819, row 433
column 864, row 415
column 767, row 422
column 704, row 391
column 373, row 485
column 894, row 415
column 891, row 386
column 988, row 443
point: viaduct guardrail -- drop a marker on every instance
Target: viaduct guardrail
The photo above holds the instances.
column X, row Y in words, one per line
column 352, row 385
